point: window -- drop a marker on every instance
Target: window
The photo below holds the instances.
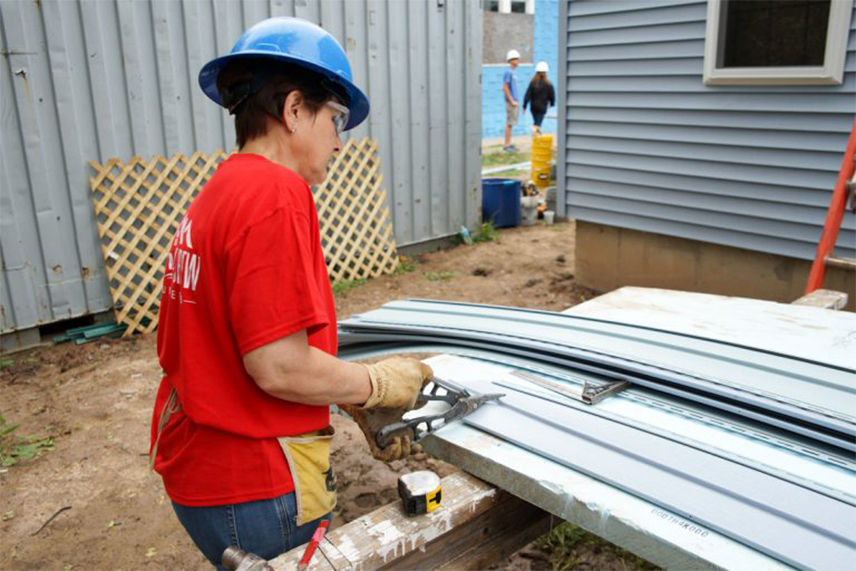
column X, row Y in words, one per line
column 509, row 6
column 760, row 42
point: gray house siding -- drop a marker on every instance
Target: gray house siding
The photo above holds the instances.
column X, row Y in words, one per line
column 88, row 80
column 648, row 146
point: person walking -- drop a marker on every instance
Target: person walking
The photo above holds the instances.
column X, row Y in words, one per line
column 247, row 325
column 540, row 94
column 511, row 98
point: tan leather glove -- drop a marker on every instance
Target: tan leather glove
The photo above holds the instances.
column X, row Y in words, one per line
column 396, row 383
column 371, row 420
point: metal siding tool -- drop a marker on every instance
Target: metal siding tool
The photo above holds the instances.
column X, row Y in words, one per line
column 461, row 404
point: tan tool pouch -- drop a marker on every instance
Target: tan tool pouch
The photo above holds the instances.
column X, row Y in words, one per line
column 308, row 457
column 170, row 407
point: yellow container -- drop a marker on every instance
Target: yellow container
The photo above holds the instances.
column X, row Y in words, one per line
column 542, row 155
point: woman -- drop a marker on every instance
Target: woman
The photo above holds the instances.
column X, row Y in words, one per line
column 540, row 94
column 247, row 326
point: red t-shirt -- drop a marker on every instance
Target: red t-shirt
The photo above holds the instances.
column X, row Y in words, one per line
column 245, row 269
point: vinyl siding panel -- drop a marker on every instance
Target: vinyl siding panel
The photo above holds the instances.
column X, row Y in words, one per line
column 646, row 145
column 85, row 80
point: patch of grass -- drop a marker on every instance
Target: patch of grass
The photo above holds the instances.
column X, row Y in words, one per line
column 15, row 448
column 487, row 233
column 503, row 158
column 6, row 363
column 405, row 266
column 569, row 545
column 342, row 286
column 439, row 276
column 522, row 174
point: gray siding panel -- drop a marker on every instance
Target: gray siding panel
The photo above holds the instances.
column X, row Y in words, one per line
column 616, row 7
column 733, row 154
column 666, row 166
column 89, row 80
column 417, row 17
column 751, row 137
column 696, row 184
column 662, row 50
column 648, row 146
column 804, row 123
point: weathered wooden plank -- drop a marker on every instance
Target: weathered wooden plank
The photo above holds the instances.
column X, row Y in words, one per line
column 475, row 525
column 484, row 540
column 825, row 298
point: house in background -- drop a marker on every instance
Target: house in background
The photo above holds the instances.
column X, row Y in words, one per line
column 700, row 141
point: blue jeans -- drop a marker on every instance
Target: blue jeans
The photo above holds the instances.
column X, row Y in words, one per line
column 537, row 118
column 266, row 528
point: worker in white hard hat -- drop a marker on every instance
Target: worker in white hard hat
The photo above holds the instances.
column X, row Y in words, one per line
column 540, row 94
column 510, row 94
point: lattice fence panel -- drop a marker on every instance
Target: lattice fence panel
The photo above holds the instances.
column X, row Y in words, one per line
column 139, row 205
column 356, row 226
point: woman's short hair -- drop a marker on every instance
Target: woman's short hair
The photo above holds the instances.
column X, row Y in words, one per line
column 255, row 90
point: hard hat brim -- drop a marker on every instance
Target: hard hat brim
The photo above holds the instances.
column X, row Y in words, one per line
column 358, row 103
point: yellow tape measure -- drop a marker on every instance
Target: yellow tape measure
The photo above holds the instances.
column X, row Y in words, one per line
column 420, row 492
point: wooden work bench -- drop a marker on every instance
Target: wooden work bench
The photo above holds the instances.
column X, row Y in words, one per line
column 479, row 524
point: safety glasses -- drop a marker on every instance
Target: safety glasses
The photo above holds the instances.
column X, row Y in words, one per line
column 340, row 120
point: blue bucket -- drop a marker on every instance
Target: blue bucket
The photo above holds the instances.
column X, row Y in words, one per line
column 501, row 201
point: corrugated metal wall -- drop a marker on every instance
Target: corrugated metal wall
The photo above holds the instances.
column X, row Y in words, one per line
column 93, row 79
column 648, row 146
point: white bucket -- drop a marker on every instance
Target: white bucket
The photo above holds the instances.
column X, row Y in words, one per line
column 548, row 217
column 529, row 205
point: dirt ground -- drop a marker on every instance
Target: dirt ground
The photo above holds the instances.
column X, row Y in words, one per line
column 95, row 400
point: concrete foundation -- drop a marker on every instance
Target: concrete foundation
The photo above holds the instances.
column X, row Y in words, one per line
column 608, row 257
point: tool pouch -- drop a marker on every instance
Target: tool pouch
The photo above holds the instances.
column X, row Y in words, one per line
column 308, row 457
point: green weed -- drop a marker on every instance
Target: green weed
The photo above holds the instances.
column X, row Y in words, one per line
column 15, row 448
column 569, row 545
column 405, row 266
column 342, row 286
column 6, row 363
column 487, row 233
column 439, row 276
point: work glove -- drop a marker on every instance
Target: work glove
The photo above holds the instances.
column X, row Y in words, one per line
column 396, row 384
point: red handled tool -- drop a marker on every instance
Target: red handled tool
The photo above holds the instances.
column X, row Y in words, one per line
column 313, row 545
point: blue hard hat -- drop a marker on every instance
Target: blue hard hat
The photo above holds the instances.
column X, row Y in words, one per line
column 298, row 42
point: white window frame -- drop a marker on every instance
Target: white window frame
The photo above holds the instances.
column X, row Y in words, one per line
column 830, row 73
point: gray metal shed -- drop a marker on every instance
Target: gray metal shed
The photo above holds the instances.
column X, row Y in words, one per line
column 646, row 144
column 92, row 79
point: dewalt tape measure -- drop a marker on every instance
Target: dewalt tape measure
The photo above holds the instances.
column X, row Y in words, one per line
column 420, row 492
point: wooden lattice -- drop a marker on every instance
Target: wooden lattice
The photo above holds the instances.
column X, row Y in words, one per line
column 356, row 227
column 139, row 205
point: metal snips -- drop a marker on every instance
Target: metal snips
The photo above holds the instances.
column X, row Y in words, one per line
column 461, row 403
